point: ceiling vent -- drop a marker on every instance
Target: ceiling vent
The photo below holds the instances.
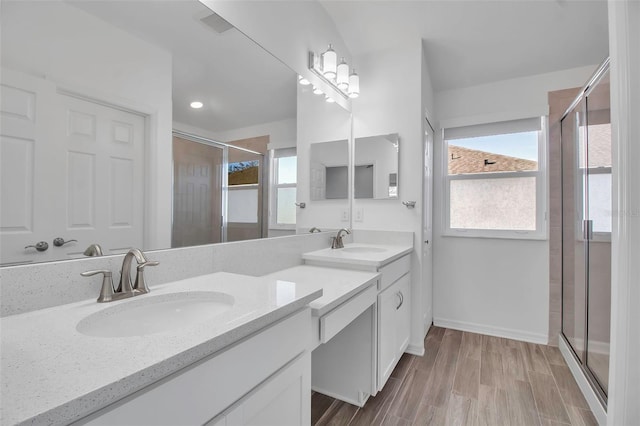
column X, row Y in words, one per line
column 216, row 23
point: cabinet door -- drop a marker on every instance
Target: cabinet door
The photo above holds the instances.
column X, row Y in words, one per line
column 388, row 301
column 284, row 399
column 403, row 315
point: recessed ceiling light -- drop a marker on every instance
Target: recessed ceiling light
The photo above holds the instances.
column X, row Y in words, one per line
column 196, row 104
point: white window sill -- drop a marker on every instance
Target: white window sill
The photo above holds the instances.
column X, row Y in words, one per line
column 505, row 235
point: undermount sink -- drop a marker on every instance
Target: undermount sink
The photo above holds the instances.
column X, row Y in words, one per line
column 363, row 249
column 146, row 315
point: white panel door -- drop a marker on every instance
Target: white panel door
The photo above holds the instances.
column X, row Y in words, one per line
column 104, row 177
column 70, row 168
column 29, row 166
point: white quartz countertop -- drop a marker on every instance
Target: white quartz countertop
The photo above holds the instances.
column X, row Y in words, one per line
column 53, row 374
column 358, row 254
column 338, row 285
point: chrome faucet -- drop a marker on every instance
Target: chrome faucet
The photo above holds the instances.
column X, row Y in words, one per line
column 336, row 242
column 125, row 289
column 93, row 250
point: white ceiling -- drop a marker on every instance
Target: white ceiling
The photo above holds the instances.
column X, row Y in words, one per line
column 474, row 42
column 240, row 83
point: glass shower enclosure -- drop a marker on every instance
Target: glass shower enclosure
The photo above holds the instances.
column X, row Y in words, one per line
column 586, row 229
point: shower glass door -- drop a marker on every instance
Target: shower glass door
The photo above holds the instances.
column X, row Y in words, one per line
column 586, row 231
column 574, row 214
column 599, row 251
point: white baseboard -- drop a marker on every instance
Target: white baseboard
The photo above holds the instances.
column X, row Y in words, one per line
column 597, row 408
column 492, row 331
column 415, row 350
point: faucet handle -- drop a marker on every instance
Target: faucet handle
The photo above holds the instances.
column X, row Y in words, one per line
column 106, row 292
column 141, row 284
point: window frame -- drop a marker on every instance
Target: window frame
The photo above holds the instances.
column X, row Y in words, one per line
column 273, row 191
column 541, row 175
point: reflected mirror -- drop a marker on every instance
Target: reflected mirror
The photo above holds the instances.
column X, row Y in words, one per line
column 375, row 173
column 137, row 124
column 329, row 170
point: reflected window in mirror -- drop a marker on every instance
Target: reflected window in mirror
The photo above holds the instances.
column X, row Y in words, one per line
column 376, row 167
column 283, row 188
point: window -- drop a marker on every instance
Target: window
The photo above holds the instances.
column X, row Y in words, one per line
column 494, row 183
column 283, row 194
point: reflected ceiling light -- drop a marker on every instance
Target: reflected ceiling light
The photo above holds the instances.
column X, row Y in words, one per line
column 317, row 91
column 336, row 75
column 196, row 104
column 329, row 99
column 303, row 81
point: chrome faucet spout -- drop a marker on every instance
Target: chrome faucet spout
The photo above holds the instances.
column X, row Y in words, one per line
column 125, row 285
column 336, row 242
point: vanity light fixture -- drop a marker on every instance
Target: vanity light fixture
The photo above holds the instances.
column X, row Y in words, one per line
column 196, row 104
column 317, row 91
column 329, row 63
column 337, row 75
column 342, row 77
column 354, row 85
column 329, row 99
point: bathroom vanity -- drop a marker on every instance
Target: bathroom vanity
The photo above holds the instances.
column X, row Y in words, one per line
column 64, row 363
column 241, row 347
column 393, row 296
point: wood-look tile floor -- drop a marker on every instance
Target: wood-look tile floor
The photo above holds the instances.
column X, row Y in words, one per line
column 469, row 379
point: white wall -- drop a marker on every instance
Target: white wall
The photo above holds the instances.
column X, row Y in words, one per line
column 85, row 55
column 493, row 286
column 391, row 98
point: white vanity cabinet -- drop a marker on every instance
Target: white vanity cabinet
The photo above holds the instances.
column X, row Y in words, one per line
column 264, row 379
column 393, row 326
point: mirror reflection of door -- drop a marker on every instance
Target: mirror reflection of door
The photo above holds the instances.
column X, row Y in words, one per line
column 72, row 168
column 197, row 193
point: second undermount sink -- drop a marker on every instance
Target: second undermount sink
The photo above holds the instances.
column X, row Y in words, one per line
column 155, row 314
column 360, row 249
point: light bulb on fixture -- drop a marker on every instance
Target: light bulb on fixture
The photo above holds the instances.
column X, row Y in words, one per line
column 329, row 99
column 196, row 104
column 317, row 91
column 354, row 85
column 329, row 63
column 303, row 81
column 342, row 77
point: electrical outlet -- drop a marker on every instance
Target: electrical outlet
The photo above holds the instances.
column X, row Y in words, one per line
column 359, row 214
column 344, row 215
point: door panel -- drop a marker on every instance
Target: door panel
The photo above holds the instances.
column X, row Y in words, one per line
column 574, row 247
column 197, row 193
column 600, row 207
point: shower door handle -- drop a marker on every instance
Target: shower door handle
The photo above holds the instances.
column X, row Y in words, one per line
column 587, row 229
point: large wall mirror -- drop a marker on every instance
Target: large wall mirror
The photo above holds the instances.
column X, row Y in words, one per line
column 375, row 173
column 103, row 139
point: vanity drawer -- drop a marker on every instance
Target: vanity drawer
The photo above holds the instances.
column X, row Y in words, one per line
column 393, row 271
column 333, row 322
